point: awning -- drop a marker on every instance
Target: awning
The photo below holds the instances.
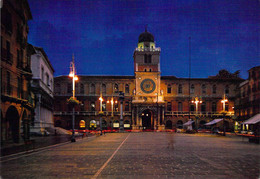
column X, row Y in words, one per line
column 253, row 120
column 213, row 122
column 188, row 123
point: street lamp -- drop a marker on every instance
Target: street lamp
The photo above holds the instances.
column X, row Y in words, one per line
column 224, row 101
column 74, row 77
column 100, row 113
column 112, row 106
column 197, row 102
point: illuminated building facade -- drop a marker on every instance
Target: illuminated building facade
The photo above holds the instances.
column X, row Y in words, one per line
column 152, row 101
column 16, row 97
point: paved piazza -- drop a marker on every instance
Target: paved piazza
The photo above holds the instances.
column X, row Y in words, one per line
column 141, row 155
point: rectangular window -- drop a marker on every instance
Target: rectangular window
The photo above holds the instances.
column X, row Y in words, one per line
column 169, row 106
column 104, row 106
column 8, row 85
column 42, row 74
column 8, row 52
column 169, row 89
column 127, row 89
column 47, row 79
column 192, row 107
column 179, row 106
column 69, row 88
column 126, row 106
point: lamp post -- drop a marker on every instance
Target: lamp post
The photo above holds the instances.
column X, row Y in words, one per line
column 121, row 123
column 100, row 113
column 196, row 101
column 224, row 101
column 74, row 79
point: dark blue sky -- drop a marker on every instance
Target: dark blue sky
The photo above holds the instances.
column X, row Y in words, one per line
column 104, row 33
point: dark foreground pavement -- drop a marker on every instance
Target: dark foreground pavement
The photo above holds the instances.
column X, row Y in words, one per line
column 140, row 155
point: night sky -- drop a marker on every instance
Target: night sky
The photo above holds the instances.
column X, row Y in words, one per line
column 104, row 33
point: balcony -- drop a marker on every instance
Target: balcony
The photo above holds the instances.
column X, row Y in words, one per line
column 192, row 113
column 148, row 49
column 91, row 113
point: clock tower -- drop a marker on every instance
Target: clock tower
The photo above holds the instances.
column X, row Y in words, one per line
column 148, row 96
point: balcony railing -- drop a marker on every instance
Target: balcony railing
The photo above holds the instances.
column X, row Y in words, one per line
column 192, row 113
column 148, row 49
column 92, row 113
column 13, row 91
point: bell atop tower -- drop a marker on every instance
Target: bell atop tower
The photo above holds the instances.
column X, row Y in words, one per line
column 146, row 40
column 146, row 37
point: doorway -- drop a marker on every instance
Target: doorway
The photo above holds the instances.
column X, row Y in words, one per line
column 147, row 119
column 12, row 120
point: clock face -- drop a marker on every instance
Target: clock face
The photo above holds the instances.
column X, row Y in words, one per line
column 147, row 85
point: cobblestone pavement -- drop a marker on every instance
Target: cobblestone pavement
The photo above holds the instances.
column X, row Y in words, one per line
column 141, row 155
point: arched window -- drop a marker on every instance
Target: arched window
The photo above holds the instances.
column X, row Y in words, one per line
column 92, row 89
column 203, row 88
column 214, row 89
column 192, row 89
column 104, row 89
column 226, row 89
column 116, row 89
column 169, row 88
column 180, row 89
column 126, row 88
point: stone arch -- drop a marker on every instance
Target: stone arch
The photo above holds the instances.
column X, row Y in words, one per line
column 201, row 124
column 179, row 124
column 147, row 119
column 168, row 124
column 12, row 124
column 127, row 124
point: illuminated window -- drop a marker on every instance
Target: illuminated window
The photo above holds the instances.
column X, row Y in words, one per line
column 116, row 89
